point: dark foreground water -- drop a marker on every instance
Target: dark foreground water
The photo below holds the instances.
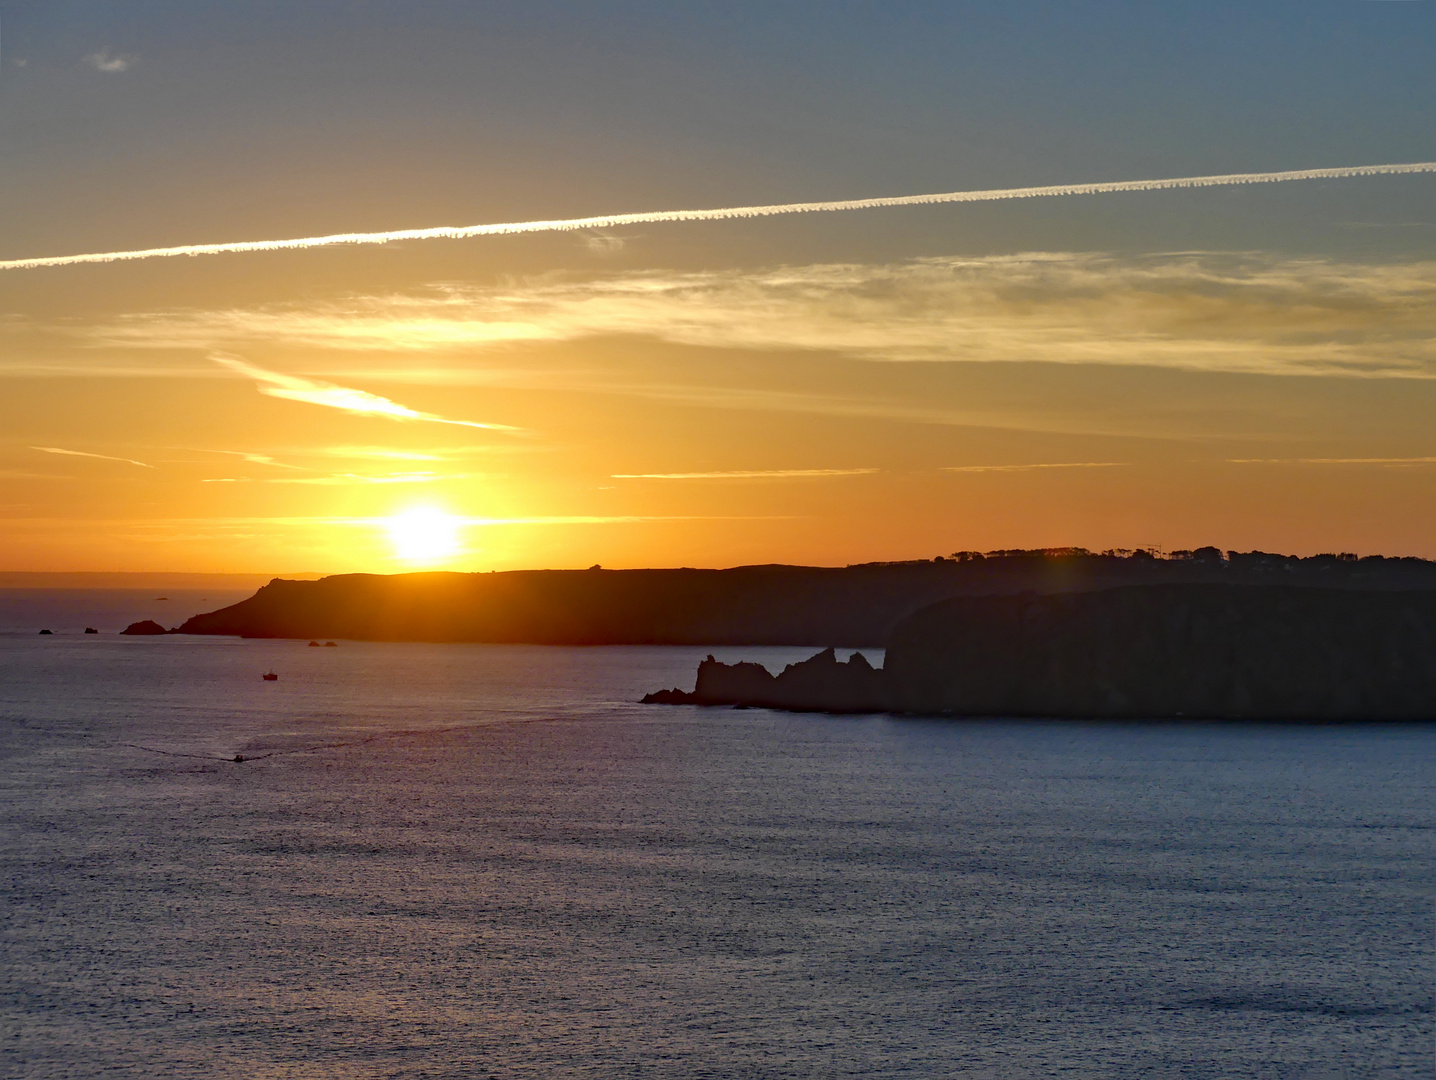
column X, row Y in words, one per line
column 470, row 861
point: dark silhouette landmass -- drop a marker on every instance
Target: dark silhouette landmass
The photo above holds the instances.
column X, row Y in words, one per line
column 144, row 627
column 852, row 607
column 822, row 683
column 1137, row 652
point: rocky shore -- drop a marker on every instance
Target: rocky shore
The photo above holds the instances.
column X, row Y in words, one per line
column 1138, row 652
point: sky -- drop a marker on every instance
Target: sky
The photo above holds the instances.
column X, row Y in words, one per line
column 1248, row 366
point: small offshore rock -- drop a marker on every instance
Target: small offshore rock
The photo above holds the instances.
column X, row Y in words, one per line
column 144, row 627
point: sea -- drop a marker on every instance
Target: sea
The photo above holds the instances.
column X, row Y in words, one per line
column 470, row 861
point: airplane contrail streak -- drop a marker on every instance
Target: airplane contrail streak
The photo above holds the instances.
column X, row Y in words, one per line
column 448, row 232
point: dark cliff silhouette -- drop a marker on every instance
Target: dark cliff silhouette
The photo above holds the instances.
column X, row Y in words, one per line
column 1138, row 652
column 854, row 606
column 822, row 683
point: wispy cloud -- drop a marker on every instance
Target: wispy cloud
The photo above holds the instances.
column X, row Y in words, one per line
column 343, row 479
column 359, row 402
column 85, row 454
column 1394, row 461
column 1038, row 465
column 1246, row 312
column 111, row 63
column 746, row 474
column 377, row 453
column 446, row 232
column 603, row 243
column 255, row 459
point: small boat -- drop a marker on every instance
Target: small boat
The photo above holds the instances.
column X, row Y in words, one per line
column 270, row 676
column 314, row 644
column 330, row 645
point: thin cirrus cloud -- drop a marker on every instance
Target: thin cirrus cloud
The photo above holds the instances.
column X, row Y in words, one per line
column 1386, row 461
column 1037, row 465
column 1251, row 313
column 746, row 474
column 344, row 479
column 256, row 459
column 359, row 402
column 86, row 454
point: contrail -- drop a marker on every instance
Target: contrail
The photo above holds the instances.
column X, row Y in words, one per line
column 449, row 232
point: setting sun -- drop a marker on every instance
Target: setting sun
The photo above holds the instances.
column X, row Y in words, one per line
column 424, row 534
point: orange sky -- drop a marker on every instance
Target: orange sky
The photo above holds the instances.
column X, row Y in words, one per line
column 1245, row 367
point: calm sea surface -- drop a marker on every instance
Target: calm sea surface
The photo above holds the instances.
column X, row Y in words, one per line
column 471, row 861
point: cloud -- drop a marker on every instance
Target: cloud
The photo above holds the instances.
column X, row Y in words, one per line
column 1234, row 312
column 82, row 453
column 603, row 244
column 1040, row 465
column 359, row 402
column 447, row 232
column 376, row 453
column 748, row 474
column 1389, row 461
column 111, row 63
column 344, row 479
column 255, row 459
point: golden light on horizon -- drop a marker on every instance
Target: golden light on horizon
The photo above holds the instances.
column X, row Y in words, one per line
column 424, row 534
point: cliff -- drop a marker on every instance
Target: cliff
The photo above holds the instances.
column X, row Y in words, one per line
column 855, row 606
column 1138, row 652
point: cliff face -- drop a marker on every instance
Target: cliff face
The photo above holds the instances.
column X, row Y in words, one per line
column 852, row 606
column 1172, row 650
column 1140, row 652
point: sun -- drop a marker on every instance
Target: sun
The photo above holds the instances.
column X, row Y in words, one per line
column 424, row 534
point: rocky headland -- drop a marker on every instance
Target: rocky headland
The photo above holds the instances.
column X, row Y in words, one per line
column 1138, row 652
column 851, row 607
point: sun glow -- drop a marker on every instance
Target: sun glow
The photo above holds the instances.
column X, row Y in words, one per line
column 424, row 534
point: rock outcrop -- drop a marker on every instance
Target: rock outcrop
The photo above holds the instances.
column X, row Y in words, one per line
column 822, row 683
column 144, row 627
column 1141, row 652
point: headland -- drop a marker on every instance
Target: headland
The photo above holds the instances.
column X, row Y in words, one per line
column 854, row 606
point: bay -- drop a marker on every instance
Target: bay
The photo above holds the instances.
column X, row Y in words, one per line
column 462, row 860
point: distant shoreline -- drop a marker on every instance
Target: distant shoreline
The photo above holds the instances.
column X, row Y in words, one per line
column 849, row 607
column 139, row 579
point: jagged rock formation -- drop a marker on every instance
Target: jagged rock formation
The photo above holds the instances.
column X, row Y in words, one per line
column 144, row 627
column 853, row 607
column 822, row 683
column 1140, row 652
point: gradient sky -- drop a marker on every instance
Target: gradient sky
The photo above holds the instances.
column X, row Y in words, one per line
column 1250, row 367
